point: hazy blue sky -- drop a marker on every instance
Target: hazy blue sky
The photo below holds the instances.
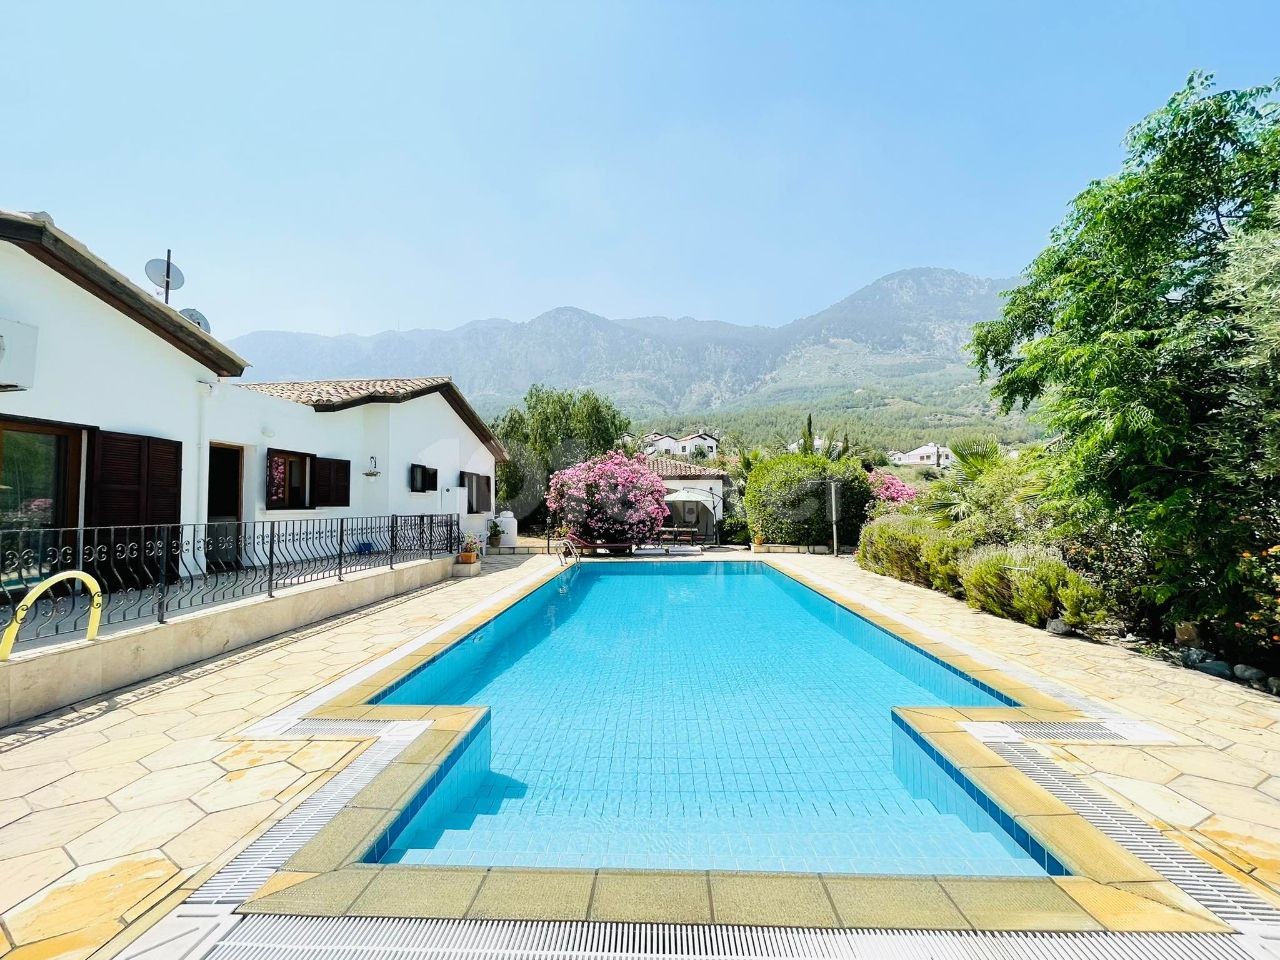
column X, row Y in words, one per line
column 365, row 165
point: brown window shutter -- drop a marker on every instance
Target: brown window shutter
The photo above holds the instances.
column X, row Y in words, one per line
column 330, row 482
column 341, row 483
column 117, row 480
column 164, row 481
column 321, row 482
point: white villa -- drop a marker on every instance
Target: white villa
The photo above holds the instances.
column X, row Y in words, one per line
column 695, row 494
column 117, row 410
column 660, row 443
column 930, row 455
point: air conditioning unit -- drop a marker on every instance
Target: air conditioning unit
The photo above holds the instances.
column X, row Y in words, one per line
column 17, row 355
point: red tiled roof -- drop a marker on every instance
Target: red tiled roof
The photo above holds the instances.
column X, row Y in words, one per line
column 669, row 468
column 330, row 395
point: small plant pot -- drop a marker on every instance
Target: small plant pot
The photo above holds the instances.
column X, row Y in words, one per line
column 495, row 541
column 467, row 557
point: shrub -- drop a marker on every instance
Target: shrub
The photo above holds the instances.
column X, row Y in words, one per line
column 1027, row 584
column 733, row 529
column 1083, row 603
column 1037, row 579
column 788, row 500
column 894, row 544
column 941, row 555
column 984, row 575
column 611, row 498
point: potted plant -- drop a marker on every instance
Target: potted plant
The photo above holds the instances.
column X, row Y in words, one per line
column 495, row 533
column 470, row 549
column 757, row 543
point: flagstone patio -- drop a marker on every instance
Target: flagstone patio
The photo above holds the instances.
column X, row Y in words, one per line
column 117, row 808
column 1216, row 791
column 109, row 808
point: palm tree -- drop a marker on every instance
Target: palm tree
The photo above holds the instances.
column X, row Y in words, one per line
column 953, row 497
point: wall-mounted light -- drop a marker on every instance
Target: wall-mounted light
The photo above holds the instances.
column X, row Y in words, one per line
column 373, row 470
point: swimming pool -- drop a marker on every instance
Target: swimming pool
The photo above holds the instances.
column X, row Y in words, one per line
column 696, row 715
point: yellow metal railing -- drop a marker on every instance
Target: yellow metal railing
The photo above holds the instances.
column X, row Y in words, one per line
column 20, row 614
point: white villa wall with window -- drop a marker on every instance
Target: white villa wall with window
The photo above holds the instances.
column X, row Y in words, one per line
column 106, row 363
column 95, row 367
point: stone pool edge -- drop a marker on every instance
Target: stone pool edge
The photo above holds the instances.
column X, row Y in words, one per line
column 1109, row 890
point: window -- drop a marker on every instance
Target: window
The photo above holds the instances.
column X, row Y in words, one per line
column 479, row 488
column 39, row 475
column 288, row 478
column 421, row 479
column 330, row 482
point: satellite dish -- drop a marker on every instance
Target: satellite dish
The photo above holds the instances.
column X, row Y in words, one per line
column 196, row 317
column 156, row 270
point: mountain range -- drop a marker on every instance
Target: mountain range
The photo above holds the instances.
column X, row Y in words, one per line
column 896, row 342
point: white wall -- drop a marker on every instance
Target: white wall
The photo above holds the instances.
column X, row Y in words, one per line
column 424, row 430
column 97, row 367
column 427, row 431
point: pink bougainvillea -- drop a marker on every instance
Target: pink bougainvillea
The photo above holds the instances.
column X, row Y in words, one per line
column 890, row 489
column 612, row 498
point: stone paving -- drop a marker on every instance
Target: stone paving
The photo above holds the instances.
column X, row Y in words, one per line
column 116, row 808
column 1215, row 791
column 108, row 808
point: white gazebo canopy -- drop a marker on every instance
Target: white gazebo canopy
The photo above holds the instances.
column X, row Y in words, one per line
column 691, row 495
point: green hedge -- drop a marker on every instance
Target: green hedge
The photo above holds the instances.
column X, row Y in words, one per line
column 894, row 545
column 1030, row 584
column 788, row 500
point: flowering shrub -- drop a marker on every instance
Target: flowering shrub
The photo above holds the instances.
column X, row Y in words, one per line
column 611, row 498
column 890, row 489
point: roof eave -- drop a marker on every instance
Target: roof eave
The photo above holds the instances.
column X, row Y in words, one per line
column 61, row 253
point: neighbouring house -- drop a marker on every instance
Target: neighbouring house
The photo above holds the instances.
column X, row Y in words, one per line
column 929, row 455
column 120, row 411
column 694, row 443
column 695, row 494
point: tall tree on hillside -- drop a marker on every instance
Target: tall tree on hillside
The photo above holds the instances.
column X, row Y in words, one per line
column 553, row 429
column 1120, row 330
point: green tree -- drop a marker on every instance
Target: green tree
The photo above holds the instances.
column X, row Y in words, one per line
column 1119, row 329
column 553, row 429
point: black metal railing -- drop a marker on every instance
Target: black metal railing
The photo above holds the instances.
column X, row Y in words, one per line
column 152, row 572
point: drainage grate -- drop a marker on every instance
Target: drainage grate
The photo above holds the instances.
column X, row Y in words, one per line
column 360, row 938
column 1212, row 889
column 253, row 866
column 337, row 728
column 1070, row 730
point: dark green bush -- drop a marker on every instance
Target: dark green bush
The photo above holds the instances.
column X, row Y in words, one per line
column 893, row 545
column 788, row 499
column 733, row 529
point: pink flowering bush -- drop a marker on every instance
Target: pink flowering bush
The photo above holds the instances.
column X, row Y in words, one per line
column 611, row 498
column 890, row 489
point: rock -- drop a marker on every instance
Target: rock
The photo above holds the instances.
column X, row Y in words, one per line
column 1215, row 668
column 1249, row 674
column 1273, row 685
column 1058, row 627
column 1193, row 655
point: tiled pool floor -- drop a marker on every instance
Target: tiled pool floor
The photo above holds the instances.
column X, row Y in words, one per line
column 694, row 717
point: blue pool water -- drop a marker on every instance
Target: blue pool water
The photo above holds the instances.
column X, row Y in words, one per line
column 695, row 716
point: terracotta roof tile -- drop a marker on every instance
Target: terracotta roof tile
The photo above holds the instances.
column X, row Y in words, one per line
column 328, row 393
column 669, row 468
